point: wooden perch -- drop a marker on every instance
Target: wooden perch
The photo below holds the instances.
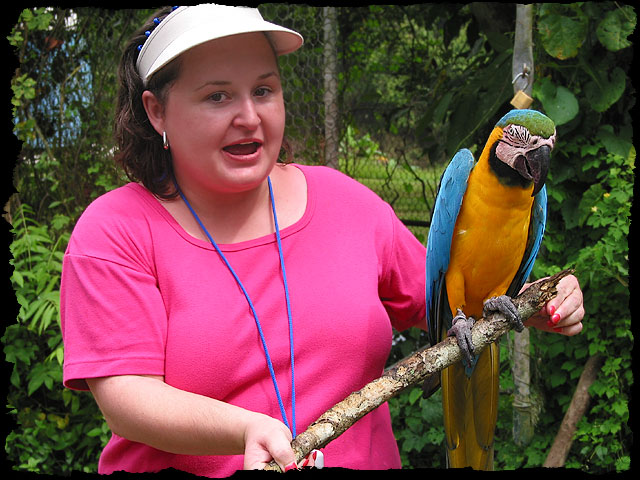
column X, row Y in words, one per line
column 414, row 369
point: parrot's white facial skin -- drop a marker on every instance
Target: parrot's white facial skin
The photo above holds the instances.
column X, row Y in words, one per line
column 517, row 141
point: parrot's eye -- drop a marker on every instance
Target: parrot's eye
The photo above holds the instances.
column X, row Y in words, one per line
column 516, row 135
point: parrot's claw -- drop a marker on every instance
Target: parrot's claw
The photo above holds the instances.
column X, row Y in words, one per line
column 504, row 305
column 461, row 329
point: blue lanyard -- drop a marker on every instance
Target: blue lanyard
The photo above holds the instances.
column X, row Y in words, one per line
column 291, row 427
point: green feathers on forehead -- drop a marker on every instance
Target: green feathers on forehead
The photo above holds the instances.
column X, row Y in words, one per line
column 534, row 121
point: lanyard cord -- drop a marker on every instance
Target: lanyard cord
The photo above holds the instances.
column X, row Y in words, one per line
column 291, row 427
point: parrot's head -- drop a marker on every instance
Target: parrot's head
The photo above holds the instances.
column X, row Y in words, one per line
column 527, row 139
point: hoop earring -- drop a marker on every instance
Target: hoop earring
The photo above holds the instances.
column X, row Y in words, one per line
column 165, row 141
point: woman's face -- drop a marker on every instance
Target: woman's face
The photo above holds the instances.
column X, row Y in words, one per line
column 224, row 116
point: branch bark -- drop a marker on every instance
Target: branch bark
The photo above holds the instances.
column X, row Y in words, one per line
column 562, row 444
column 414, row 369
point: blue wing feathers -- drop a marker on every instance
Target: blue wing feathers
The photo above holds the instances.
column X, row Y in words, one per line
column 451, row 190
column 536, row 232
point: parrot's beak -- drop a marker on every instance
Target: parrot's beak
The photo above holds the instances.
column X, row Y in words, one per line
column 535, row 166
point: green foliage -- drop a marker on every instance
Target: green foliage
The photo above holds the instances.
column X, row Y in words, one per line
column 62, row 104
column 562, row 29
column 423, row 72
column 56, row 430
column 584, row 85
column 582, row 62
column 63, row 97
column 417, row 423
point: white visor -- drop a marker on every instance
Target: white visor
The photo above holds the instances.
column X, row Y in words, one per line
column 186, row 27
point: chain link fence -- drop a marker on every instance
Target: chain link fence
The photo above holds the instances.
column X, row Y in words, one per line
column 302, row 74
column 330, row 123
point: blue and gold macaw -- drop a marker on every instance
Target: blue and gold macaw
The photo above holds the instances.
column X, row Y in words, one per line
column 486, row 230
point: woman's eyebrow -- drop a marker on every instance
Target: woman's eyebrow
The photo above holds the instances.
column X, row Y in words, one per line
column 268, row 74
column 227, row 82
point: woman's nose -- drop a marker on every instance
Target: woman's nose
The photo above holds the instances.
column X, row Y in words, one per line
column 247, row 114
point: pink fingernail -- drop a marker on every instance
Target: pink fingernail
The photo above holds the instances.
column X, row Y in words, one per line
column 291, row 466
column 555, row 318
column 552, row 309
column 557, row 329
column 550, row 323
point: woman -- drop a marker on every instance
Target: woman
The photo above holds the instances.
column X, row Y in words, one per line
column 222, row 301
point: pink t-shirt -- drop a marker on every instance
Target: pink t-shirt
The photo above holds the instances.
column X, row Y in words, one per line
column 139, row 295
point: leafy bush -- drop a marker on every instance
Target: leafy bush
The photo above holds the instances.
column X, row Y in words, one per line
column 582, row 82
column 56, row 430
column 584, row 86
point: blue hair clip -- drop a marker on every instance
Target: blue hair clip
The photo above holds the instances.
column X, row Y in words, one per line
column 156, row 22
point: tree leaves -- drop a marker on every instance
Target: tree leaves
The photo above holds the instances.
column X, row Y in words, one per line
column 559, row 103
column 583, row 79
column 616, row 26
column 605, row 89
column 563, row 29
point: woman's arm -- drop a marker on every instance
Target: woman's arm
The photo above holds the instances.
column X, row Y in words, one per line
column 145, row 409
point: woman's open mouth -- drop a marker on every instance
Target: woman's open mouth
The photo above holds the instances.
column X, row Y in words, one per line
column 243, row 148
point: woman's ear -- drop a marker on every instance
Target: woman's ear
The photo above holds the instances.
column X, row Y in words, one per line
column 155, row 110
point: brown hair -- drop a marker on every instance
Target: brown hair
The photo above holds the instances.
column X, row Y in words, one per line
column 140, row 150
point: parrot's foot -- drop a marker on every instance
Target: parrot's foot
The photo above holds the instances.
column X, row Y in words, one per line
column 461, row 329
column 504, row 305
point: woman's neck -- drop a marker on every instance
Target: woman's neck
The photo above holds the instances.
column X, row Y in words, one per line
column 242, row 216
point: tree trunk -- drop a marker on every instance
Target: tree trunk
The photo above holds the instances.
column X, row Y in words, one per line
column 579, row 403
column 522, row 60
column 331, row 136
column 524, row 410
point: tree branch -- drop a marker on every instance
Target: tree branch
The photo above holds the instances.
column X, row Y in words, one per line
column 579, row 403
column 414, row 369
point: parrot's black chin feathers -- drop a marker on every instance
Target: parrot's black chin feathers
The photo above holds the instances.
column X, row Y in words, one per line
column 532, row 168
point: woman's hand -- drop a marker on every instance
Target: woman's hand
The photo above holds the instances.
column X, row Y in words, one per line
column 563, row 314
column 268, row 439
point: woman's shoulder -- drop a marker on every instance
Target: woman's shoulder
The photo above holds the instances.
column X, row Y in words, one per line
column 117, row 213
column 120, row 203
column 325, row 172
column 338, row 186
column 335, row 179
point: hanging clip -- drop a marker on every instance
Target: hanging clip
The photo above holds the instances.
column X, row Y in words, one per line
column 521, row 99
column 524, row 74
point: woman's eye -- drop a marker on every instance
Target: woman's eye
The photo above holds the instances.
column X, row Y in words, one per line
column 217, row 97
column 262, row 91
